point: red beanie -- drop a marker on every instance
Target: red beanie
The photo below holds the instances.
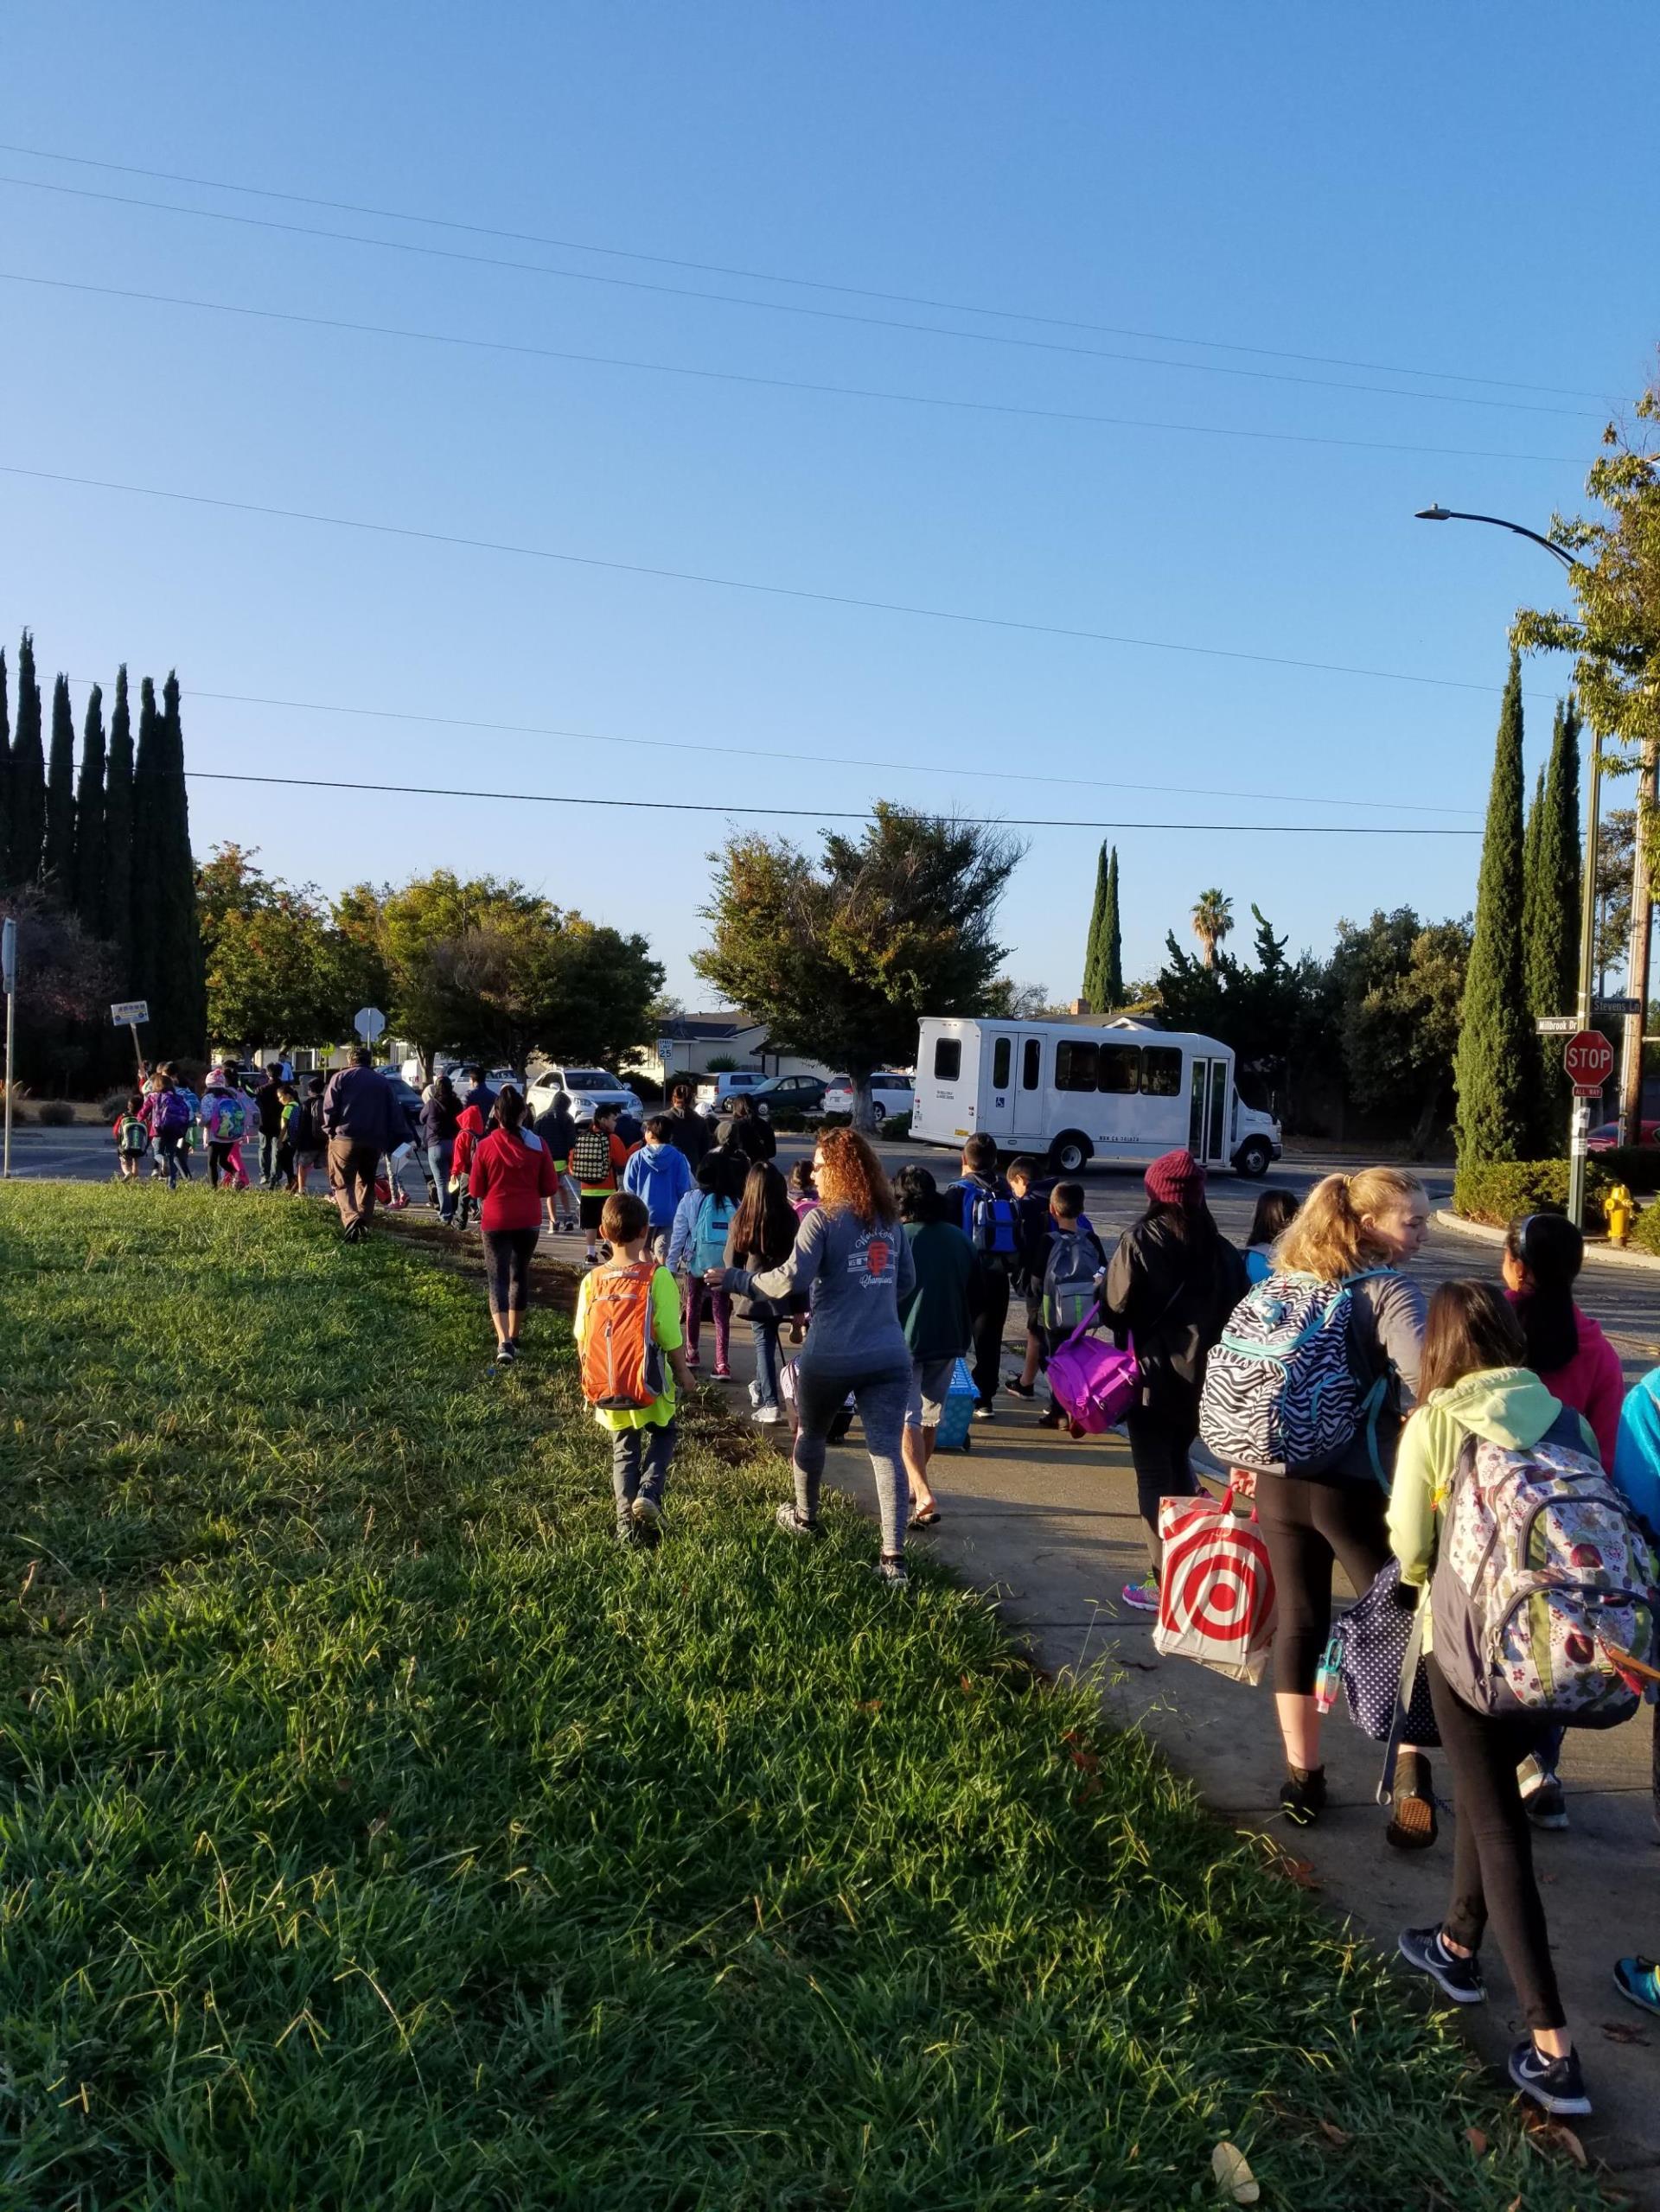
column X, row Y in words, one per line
column 1176, row 1179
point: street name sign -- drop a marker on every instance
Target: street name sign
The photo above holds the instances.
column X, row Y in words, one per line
column 1618, row 1006
column 1557, row 1025
column 1589, row 1059
column 125, row 1011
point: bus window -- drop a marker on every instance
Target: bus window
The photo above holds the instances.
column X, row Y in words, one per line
column 1002, row 1060
column 1161, row 1072
column 1119, row 1068
column 1031, row 1063
column 948, row 1059
column 1075, row 1065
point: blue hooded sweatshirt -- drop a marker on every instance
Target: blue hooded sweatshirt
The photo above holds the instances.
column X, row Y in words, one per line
column 661, row 1175
column 1637, row 1455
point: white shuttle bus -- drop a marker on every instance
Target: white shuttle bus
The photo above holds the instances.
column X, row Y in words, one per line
column 1078, row 1091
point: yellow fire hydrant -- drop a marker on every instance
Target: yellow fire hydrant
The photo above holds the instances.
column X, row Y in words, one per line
column 1619, row 1207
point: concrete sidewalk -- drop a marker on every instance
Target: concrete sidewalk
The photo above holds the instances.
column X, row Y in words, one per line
column 1049, row 1528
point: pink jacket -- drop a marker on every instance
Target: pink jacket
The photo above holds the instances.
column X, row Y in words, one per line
column 1592, row 1383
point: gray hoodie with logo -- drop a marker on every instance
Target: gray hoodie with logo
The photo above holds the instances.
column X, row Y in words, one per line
column 855, row 1278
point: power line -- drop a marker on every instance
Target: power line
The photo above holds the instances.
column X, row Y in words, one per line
column 780, row 307
column 730, row 583
column 824, row 814
column 776, row 383
column 766, row 277
column 815, row 759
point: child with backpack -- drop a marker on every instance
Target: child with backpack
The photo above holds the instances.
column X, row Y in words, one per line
column 661, row 1174
column 310, row 1141
column 132, row 1139
column 1032, row 1222
column 984, row 1210
column 1541, row 1577
column 598, row 1159
column 225, row 1118
column 698, row 1242
column 288, row 1130
column 937, row 1317
column 628, row 1332
column 1637, row 1477
column 1074, row 1264
column 761, row 1235
column 167, row 1118
column 1304, row 1397
column 803, row 1197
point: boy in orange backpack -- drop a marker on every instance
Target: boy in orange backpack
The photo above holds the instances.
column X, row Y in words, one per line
column 627, row 1333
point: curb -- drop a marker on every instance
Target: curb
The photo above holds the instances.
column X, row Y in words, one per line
column 1483, row 1233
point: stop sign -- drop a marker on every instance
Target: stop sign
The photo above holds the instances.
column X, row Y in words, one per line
column 1589, row 1059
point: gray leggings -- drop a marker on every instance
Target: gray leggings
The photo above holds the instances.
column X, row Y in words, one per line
column 881, row 1399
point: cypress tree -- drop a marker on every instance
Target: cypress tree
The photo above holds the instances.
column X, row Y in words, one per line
column 1530, row 862
column 115, row 906
column 5, row 776
column 58, row 856
column 178, row 993
column 1495, row 1058
column 1550, row 918
column 1094, row 945
column 1114, row 939
column 28, row 825
column 142, row 926
column 89, row 818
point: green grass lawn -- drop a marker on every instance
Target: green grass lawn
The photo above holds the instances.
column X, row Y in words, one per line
column 376, row 1833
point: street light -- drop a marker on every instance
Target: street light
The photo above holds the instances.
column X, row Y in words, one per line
column 1580, row 1125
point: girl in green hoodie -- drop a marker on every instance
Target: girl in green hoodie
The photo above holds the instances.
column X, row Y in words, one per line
column 1473, row 1383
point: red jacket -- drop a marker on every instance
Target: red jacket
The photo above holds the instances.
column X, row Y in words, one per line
column 1592, row 1383
column 470, row 1127
column 511, row 1175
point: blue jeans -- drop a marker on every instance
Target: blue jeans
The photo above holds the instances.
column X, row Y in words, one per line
column 268, row 1148
column 640, row 1460
column 439, row 1158
column 765, row 1328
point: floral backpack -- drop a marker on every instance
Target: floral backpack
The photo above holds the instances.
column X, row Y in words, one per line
column 1545, row 1588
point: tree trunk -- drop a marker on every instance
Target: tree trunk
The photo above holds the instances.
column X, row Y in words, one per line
column 864, row 1106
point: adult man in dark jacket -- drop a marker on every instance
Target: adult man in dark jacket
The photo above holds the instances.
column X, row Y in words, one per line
column 362, row 1119
column 479, row 1095
column 980, row 1181
column 688, row 1130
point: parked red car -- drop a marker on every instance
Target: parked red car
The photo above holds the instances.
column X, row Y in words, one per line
column 1606, row 1137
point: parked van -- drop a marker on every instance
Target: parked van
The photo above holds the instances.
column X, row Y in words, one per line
column 1079, row 1092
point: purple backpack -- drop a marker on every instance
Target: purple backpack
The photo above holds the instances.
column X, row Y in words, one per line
column 1095, row 1383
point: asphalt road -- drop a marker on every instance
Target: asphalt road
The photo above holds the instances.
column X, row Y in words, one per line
column 1625, row 1300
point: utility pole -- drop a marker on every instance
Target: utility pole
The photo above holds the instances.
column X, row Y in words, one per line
column 1579, row 1127
column 1636, row 965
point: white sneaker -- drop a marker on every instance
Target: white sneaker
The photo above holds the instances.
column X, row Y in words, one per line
column 755, row 1393
column 768, row 1416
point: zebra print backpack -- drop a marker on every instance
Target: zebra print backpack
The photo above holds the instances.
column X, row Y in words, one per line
column 1284, row 1390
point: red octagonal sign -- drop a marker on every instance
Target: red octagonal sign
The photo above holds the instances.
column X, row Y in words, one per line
column 1589, row 1059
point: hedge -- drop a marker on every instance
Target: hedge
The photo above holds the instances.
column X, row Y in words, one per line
column 1497, row 1191
column 1637, row 1166
column 1645, row 1231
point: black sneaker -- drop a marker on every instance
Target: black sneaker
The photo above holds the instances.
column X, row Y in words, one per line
column 1302, row 1797
column 1017, row 1389
column 984, row 1410
column 1459, row 1979
column 1545, row 1803
column 1555, row 2085
column 1051, row 1418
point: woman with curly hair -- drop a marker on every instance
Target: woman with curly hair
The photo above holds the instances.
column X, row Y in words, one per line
column 850, row 1259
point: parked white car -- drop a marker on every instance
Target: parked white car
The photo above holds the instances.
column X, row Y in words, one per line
column 890, row 1094
column 716, row 1093
column 587, row 1088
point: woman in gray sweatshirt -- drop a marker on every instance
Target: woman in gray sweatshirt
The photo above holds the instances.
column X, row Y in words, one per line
column 852, row 1261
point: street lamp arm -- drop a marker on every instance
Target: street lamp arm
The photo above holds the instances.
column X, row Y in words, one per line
column 1521, row 529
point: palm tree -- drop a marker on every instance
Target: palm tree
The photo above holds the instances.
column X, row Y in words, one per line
column 1213, row 918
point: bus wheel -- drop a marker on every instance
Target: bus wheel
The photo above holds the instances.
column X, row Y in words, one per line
column 1070, row 1153
column 1253, row 1157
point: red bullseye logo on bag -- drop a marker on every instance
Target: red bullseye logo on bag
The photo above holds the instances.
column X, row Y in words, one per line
column 1216, row 1588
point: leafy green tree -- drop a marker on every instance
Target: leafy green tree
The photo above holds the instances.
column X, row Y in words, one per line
column 28, row 825
column 65, row 981
column 1550, row 919
column 1496, row 1059
column 89, row 818
column 115, row 903
column 1265, row 1013
column 270, row 976
column 57, row 854
column 842, row 957
column 1213, row 920
column 1399, row 985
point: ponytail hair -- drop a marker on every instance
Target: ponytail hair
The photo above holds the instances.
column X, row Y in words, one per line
column 1329, row 1238
column 1553, row 1251
column 509, row 1109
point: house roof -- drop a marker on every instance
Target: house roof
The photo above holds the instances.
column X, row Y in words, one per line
column 684, row 1028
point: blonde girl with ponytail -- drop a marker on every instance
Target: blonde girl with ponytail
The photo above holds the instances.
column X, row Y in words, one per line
column 1361, row 1230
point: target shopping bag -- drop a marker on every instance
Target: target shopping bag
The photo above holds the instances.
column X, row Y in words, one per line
column 1216, row 1588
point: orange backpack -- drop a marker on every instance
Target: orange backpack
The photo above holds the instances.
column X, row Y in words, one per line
column 621, row 1360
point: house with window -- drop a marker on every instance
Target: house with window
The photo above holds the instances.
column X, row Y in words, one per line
column 690, row 1044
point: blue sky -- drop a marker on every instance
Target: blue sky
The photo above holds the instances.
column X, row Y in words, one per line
column 1413, row 187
